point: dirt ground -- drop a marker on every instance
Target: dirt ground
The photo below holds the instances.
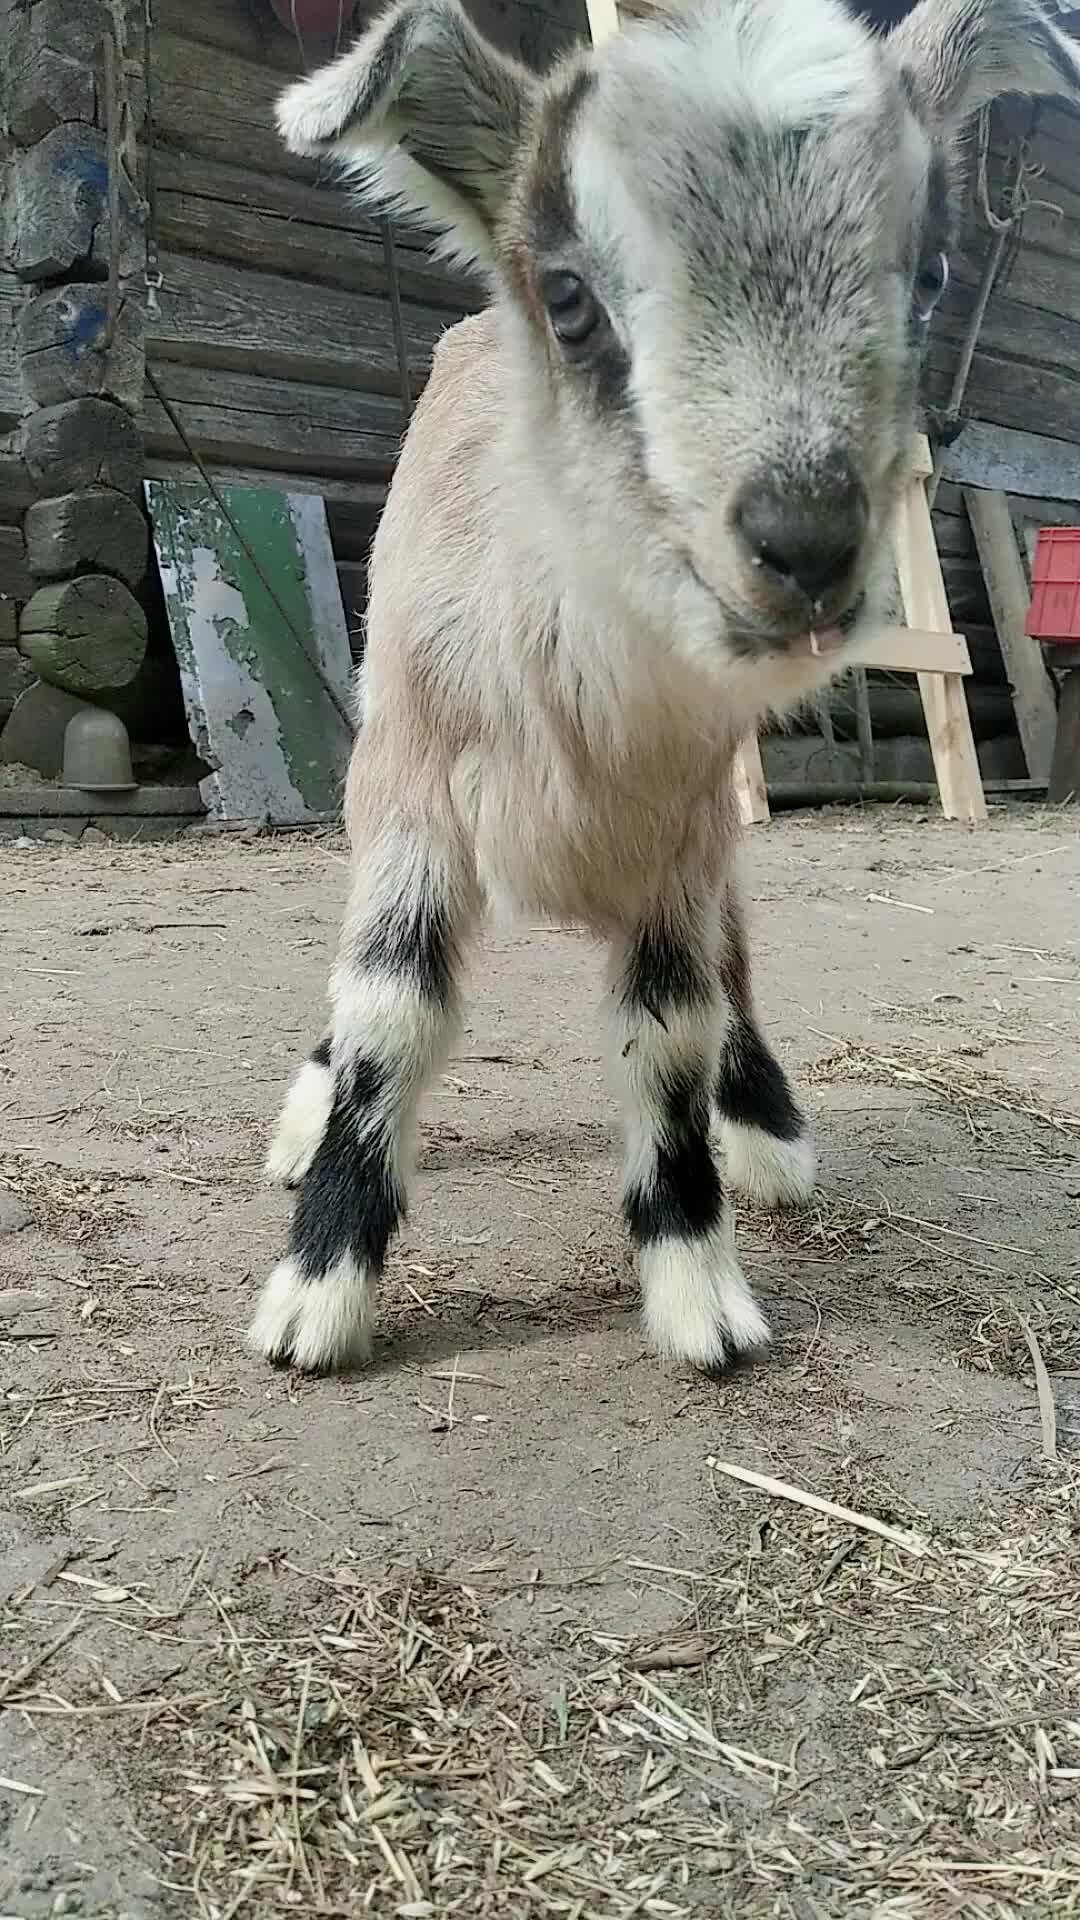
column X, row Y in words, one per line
column 489, row 1629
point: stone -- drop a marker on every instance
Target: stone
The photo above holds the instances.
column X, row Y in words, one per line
column 14, row 1217
column 33, row 735
column 16, row 675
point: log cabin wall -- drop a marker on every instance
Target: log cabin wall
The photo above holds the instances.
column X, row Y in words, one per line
column 275, row 342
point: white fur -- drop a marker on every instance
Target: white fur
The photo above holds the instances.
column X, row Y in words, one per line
column 320, row 1323
column 695, row 1302
column 770, row 1172
column 301, row 1126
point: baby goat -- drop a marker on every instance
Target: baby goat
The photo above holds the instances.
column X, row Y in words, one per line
column 645, row 499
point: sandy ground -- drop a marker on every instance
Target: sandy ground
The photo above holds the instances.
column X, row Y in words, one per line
column 484, row 1631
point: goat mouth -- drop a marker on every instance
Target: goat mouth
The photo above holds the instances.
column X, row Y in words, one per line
column 819, row 640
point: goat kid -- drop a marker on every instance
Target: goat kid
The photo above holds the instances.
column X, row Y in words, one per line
column 645, row 498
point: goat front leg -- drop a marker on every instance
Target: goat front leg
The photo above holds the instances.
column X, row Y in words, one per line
column 671, row 1019
column 770, row 1153
column 343, row 1137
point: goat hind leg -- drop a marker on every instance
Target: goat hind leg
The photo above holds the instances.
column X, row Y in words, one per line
column 769, row 1149
column 345, row 1131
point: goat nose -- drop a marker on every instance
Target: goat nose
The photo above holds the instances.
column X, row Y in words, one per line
column 806, row 538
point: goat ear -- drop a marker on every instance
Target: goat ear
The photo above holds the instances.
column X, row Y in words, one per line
column 961, row 54
column 426, row 113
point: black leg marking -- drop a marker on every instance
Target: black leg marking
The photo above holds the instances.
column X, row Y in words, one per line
column 680, row 1196
column 350, row 1200
column 753, row 1089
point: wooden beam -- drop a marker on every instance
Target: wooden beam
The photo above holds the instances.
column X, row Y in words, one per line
column 912, row 650
column 1006, row 584
column 1065, row 767
column 926, row 607
column 1011, row 462
column 751, row 788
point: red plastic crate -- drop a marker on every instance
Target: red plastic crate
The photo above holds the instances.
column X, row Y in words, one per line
column 1054, row 613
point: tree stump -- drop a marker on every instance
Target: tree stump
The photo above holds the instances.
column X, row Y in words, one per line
column 83, row 635
column 101, row 529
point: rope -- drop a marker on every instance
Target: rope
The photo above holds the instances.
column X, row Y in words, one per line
column 1007, row 231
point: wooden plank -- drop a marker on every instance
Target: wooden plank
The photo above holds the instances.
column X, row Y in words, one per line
column 1006, row 584
column 926, row 607
column 1065, row 767
column 221, row 107
column 1001, row 459
column 355, row 499
column 214, row 315
column 912, row 650
column 603, row 18
column 317, row 233
column 12, row 403
column 242, row 420
column 751, row 788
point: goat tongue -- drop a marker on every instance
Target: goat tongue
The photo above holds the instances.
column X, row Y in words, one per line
column 825, row 640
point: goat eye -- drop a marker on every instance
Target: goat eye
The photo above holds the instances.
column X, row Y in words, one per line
column 572, row 310
column 930, row 283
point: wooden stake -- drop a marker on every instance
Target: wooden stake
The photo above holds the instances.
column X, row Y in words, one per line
column 926, row 605
column 1007, row 587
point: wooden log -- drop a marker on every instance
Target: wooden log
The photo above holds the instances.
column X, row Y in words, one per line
column 100, row 529
column 59, row 194
column 16, row 674
column 14, row 573
column 60, row 338
column 82, row 443
column 47, row 89
column 83, row 635
column 12, row 401
column 16, row 492
column 235, row 419
column 220, row 211
column 1037, row 465
column 263, row 323
column 1006, row 584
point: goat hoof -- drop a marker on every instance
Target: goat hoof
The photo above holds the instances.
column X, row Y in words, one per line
column 317, row 1324
column 696, row 1304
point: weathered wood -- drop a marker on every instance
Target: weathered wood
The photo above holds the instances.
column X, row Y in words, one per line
column 60, row 335
column 221, row 107
column 14, row 572
column 535, row 30
column 235, row 419
column 353, row 497
column 47, row 89
column 98, row 529
column 221, row 316
column 913, row 650
column 16, row 491
column 12, row 297
column 82, row 443
column 309, row 232
column 59, row 192
column 1006, row 584
column 16, row 674
column 1014, row 462
column 1065, row 766
column 9, row 622
column 926, row 607
column 85, row 634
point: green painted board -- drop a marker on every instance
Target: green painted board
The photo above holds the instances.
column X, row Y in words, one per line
column 259, row 629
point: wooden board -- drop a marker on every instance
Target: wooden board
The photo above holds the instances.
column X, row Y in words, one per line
column 926, row 607
column 240, row 420
column 216, row 315
column 1006, row 583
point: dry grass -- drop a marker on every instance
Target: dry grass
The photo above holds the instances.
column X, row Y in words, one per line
column 836, row 1726
column 953, row 1077
column 73, row 1206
